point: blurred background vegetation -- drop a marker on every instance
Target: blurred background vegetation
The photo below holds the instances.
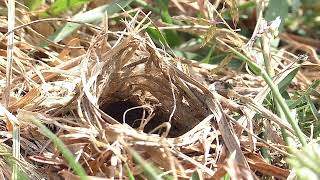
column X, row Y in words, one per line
column 187, row 31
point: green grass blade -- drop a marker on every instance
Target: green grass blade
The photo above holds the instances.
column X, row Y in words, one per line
column 156, row 36
column 147, row 6
column 66, row 153
column 301, row 99
column 16, row 151
column 313, row 108
column 277, row 8
column 285, row 108
column 283, row 85
column 94, row 15
column 164, row 10
column 148, row 169
column 60, row 6
column 195, row 176
column 33, row 4
column 275, row 91
column 208, row 57
column 253, row 66
column 172, row 37
column 305, row 162
column 129, row 173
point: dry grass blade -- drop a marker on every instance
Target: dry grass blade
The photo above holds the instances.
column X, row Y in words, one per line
column 228, row 136
column 113, row 94
column 6, row 95
column 260, row 165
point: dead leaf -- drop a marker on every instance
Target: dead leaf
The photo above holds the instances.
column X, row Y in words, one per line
column 258, row 164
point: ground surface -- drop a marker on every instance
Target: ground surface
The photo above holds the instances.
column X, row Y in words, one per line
column 159, row 89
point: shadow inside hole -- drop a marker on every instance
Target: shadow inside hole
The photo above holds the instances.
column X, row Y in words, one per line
column 133, row 117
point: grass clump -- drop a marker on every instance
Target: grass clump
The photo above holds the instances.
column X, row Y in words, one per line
column 159, row 90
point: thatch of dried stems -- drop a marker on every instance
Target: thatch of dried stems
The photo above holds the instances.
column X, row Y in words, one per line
column 121, row 92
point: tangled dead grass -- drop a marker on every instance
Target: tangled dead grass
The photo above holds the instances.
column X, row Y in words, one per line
column 120, row 92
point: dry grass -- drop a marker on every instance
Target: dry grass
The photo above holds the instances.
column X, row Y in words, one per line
column 106, row 92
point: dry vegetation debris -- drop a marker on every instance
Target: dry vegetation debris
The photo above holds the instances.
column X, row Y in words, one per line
column 108, row 92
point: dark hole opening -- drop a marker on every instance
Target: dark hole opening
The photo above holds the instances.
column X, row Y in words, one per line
column 133, row 117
